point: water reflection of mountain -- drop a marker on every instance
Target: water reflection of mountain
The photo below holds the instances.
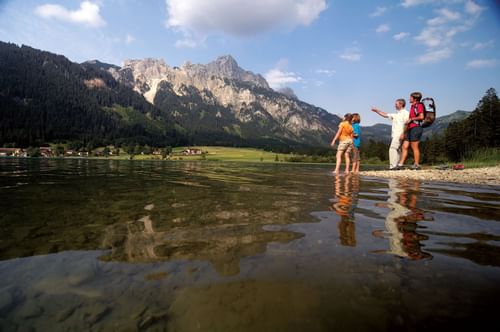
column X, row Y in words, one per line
column 222, row 245
column 74, row 207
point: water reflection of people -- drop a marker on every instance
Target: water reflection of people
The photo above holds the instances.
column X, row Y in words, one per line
column 346, row 193
column 401, row 222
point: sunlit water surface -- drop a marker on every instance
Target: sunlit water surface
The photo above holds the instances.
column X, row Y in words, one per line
column 131, row 245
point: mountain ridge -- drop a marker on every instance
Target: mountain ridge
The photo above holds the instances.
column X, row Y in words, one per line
column 246, row 97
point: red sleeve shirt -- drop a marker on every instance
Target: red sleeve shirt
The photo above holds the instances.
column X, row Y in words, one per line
column 415, row 110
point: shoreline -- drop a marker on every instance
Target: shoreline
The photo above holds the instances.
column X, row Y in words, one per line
column 482, row 175
column 485, row 175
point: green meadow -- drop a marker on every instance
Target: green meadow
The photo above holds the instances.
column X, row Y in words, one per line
column 220, row 153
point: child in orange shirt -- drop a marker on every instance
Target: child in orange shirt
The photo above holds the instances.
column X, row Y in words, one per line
column 345, row 136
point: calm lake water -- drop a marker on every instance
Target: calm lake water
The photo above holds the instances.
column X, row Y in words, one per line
column 130, row 245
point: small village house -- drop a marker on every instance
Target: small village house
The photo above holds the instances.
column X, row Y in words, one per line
column 191, row 152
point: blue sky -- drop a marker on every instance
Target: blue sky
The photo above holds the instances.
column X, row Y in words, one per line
column 344, row 56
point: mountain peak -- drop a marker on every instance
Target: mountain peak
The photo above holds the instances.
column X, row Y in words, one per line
column 99, row 64
column 225, row 66
column 146, row 62
column 226, row 58
column 227, row 61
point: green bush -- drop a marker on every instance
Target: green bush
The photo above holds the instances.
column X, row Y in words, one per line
column 482, row 157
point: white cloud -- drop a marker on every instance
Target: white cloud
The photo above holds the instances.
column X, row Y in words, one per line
column 278, row 78
column 431, row 36
column 129, row 39
column 186, row 43
column 412, row 3
column 87, row 14
column 327, row 72
column 383, row 28
column 433, row 56
column 473, row 8
column 482, row 63
column 351, row 54
column 444, row 16
column 480, row 45
column 379, row 11
column 240, row 18
column 439, row 34
column 401, row 35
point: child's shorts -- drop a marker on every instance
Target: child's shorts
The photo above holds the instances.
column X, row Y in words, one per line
column 345, row 146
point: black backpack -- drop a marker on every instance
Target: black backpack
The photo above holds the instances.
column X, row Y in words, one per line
column 429, row 112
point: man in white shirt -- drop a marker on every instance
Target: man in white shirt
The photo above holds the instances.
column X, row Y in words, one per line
column 398, row 128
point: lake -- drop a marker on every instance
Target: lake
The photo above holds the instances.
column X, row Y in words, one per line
column 186, row 246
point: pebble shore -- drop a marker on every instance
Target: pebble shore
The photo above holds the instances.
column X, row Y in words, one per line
column 484, row 175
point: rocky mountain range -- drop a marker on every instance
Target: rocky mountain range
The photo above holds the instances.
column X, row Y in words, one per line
column 221, row 96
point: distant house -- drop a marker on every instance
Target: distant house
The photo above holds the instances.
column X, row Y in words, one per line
column 15, row 152
column 191, row 152
column 46, row 152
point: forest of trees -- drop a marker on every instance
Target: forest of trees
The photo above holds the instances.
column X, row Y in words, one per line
column 479, row 131
column 46, row 98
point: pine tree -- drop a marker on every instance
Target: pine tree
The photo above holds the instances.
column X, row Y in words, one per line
column 480, row 130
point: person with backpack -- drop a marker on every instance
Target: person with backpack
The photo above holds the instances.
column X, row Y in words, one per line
column 345, row 136
column 413, row 131
column 397, row 133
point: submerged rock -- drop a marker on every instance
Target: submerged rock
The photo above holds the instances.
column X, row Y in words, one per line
column 6, row 301
column 95, row 313
column 30, row 310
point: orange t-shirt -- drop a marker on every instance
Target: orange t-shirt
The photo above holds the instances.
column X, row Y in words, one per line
column 346, row 131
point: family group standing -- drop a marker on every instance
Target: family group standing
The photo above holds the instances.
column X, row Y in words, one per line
column 349, row 137
column 406, row 132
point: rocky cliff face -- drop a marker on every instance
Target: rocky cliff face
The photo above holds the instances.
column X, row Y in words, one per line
column 241, row 102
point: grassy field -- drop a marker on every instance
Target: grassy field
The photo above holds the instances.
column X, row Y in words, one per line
column 221, row 153
column 482, row 158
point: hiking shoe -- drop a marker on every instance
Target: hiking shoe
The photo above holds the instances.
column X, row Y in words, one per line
column 415, row 168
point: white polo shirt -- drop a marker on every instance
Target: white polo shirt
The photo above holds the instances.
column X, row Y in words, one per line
column 398, row 121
